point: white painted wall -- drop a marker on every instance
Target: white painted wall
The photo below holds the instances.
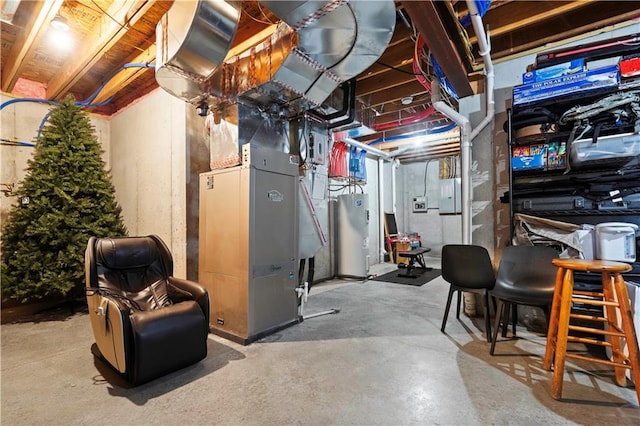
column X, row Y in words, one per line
column 148, row 139
column 21, row 121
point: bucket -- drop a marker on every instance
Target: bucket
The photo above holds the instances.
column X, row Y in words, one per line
column 616, row 241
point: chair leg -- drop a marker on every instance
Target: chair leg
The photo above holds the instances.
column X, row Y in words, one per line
column 514, row 318
column 505, row 318
column 631, row 337
column 552, row 321
column 459, row 304
column 496, row 325
column 487, row 316
column 446, row 309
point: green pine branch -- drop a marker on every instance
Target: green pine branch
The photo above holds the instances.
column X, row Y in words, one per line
column 65, row 198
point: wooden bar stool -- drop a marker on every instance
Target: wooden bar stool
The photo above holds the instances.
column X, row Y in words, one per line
column 614, row 299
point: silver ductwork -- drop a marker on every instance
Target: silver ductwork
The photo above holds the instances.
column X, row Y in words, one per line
column 318, row 45
column 192, row 39
column 337, row 41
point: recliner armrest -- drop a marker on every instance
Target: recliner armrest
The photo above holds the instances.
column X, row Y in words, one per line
column 197, row 292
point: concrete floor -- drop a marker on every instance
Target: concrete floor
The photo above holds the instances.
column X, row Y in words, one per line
column 381, row 360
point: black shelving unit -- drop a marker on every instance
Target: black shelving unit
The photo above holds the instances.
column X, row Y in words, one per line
column 579, row 195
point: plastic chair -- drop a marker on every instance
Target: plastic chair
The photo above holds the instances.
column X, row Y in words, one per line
column 467, row 268
column 525, row 277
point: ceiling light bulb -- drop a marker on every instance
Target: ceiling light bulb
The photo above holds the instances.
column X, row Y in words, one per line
column 406, row 100
column 60, row 23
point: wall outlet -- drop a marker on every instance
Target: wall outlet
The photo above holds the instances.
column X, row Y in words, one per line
column 419, row 204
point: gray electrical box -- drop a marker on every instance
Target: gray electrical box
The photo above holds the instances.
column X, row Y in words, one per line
column 420, row 204
column 450, row 196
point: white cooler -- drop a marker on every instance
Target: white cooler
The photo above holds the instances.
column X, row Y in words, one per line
column 616, row 241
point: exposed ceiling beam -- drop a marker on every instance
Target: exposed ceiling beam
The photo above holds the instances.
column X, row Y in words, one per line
column 425, row 17
column 96, row 45
column 383, row 81
column 521, row 14
column 411, row 88
column 583, row 26
column 25, row 45
column 127, row 76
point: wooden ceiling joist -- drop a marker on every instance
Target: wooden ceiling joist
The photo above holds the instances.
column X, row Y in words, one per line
column 521, row 14
column 385, row 81
column 125, row 15
column 25, row 45
column 425, row 17
column 126, row 76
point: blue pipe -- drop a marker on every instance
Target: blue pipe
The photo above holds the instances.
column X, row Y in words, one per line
column 113, row 74
column 84, row 103
column 15, row 101
column 16, row 143
column 46, row 117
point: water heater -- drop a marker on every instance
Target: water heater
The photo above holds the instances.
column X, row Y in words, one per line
column 352, row 221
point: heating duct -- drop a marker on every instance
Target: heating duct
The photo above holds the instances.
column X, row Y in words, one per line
column 192, row 40
column 317, row 46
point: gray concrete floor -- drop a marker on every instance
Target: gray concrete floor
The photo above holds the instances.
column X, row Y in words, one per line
column 381, row 360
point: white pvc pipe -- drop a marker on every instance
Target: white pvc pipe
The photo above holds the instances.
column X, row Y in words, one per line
column 381, row 208
column 465, row 158
column 485, row 52
column 466, row 135
column 394, row 170
column 371, row 150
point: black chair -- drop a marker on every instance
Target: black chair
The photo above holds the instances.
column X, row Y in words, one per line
column 146, row 322
column 467, row 268
column 525, row 277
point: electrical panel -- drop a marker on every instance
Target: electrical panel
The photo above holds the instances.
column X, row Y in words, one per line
column 318, row 147
column 450, row 196
column 419, row 204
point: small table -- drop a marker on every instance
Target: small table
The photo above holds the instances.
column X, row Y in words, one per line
column 413, row 256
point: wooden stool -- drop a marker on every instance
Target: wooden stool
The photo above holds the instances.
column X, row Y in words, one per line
column 614, row 298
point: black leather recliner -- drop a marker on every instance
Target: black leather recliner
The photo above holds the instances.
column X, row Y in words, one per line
column 146, row 322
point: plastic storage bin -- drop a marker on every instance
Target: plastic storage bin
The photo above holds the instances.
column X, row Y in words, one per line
column 614, row 150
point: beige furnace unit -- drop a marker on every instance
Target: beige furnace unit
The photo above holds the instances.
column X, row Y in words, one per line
column 248, row 244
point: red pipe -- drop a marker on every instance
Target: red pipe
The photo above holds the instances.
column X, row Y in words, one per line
column 404, row 121
column 424, row 82
column 416, row 68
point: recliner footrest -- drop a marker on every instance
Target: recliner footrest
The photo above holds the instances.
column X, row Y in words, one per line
column 166, row 339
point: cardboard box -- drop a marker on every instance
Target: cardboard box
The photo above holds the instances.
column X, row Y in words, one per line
column 553, row 71
column 585, row 81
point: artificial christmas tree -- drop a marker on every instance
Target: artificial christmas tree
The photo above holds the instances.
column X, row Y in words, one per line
column 66, row 197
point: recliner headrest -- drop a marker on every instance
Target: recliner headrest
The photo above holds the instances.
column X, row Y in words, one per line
column 127, row 252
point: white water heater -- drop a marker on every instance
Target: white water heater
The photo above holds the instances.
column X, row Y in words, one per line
column 353, row 235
